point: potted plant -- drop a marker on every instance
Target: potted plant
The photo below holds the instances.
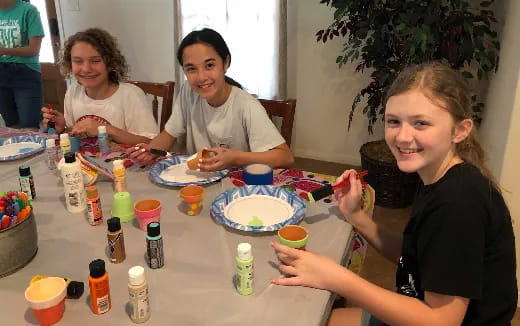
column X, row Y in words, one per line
column 383, row 37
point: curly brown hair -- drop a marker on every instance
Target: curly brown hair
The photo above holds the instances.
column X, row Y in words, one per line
column 107, row 47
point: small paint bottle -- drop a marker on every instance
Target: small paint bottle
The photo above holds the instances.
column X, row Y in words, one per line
column 119, row 171
column 244, row 269
column 116, row 241
column 154, row 245
column 138, row 295
column 94, row 212
column 73, row 184
column 65, row 144
column 51, row 128
column 103, row 141
column 50, row 149
column 99, row 287
column 27, row 181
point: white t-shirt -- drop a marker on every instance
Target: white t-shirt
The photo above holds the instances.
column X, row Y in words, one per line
column 240, row 124
column 126, row 109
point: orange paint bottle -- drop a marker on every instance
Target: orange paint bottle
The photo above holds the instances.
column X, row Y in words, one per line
column 99, row 287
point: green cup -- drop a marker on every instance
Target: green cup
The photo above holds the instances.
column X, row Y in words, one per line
column 123, row 206
column 293, row 236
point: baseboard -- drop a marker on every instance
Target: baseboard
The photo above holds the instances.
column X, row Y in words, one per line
column 329, row 157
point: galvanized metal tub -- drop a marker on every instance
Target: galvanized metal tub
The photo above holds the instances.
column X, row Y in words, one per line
column 18, row 246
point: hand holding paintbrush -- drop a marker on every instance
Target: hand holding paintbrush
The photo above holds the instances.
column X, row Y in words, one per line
column 145, row 154
column 50, row 114
column 329, row 189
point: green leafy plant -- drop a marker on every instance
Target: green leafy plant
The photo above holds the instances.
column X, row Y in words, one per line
column 388, row 35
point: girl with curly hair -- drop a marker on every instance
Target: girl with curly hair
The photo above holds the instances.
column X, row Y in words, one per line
column 99, row 96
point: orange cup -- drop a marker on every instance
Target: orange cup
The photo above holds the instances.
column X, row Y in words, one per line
column 192, row 197
column 46, row 298
column 293, row 236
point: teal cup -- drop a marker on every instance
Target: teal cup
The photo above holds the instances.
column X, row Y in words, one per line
column 74, row 143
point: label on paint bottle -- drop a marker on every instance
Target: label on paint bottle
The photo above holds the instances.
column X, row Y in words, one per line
column 140, row 307
column 94, row 212
column 103, row 304
column 155, row 253
column 25, row 186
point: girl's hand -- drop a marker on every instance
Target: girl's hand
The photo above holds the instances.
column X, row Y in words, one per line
column 88, row 126
column 307, row 268
column 349, row 197
column 221, row 159
column 49, row 114
column 141, row 153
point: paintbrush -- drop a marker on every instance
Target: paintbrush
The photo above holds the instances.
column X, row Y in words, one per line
column 160, row 152
column 328, row 189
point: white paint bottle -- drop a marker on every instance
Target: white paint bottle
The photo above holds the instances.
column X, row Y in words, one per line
column 75, row 196
column 138, row 295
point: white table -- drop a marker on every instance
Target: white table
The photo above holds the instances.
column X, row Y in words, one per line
column 195, row 285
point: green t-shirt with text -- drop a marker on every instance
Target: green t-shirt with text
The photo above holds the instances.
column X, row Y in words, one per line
column 17, row 25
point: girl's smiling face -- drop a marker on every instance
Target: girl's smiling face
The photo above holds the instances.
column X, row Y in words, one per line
column 205, row 71
column 422, row 135
column 88, row 66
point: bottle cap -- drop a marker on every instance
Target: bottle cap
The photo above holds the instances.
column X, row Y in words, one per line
column 153, row 229
column 102, row 129
column 244, row 251
column 75, row 289
column 97, row 268
column 118, row 164
column 64, row 136
column 114, row 224
column 24, row 170
column 70, row 157
column 49, row 143
column 136, row 275
column 92, row 192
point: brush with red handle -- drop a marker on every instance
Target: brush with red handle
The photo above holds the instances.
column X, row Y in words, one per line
column 328, row 189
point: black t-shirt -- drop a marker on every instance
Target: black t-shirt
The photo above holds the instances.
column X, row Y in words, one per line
column 460, row 242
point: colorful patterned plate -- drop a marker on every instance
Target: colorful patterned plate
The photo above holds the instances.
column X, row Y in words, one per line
column 17, row 147
column 174, row 172
column 258, row 208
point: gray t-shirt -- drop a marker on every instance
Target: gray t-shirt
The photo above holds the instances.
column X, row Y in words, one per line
column 240, row 124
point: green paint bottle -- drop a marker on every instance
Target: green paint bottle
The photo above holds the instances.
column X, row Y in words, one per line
column 244, row 269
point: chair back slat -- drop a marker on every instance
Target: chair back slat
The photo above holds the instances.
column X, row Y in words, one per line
column 163, row 90
column 284, row 109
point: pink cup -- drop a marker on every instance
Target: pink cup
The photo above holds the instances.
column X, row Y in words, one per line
column 46, row 298
column 147, row 211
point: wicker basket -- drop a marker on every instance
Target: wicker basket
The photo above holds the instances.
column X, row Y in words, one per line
column 394, row 189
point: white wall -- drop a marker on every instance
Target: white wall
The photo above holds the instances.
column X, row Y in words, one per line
column 144, row 30
column 324, row 92
column 500, row 129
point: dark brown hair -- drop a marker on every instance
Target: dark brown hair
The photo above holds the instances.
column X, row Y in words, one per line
column 215, row 40
column 448, row 89
column 107, row 47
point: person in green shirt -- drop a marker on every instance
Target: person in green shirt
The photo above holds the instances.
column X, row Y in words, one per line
column 21, row 34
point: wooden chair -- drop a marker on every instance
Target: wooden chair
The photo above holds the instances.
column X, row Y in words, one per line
column 164, row 90
column 284, row 109
column 54, row 86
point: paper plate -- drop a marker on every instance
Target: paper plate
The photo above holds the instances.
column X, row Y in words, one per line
column 16, row 147
column 174, row 172
column 258, row 208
